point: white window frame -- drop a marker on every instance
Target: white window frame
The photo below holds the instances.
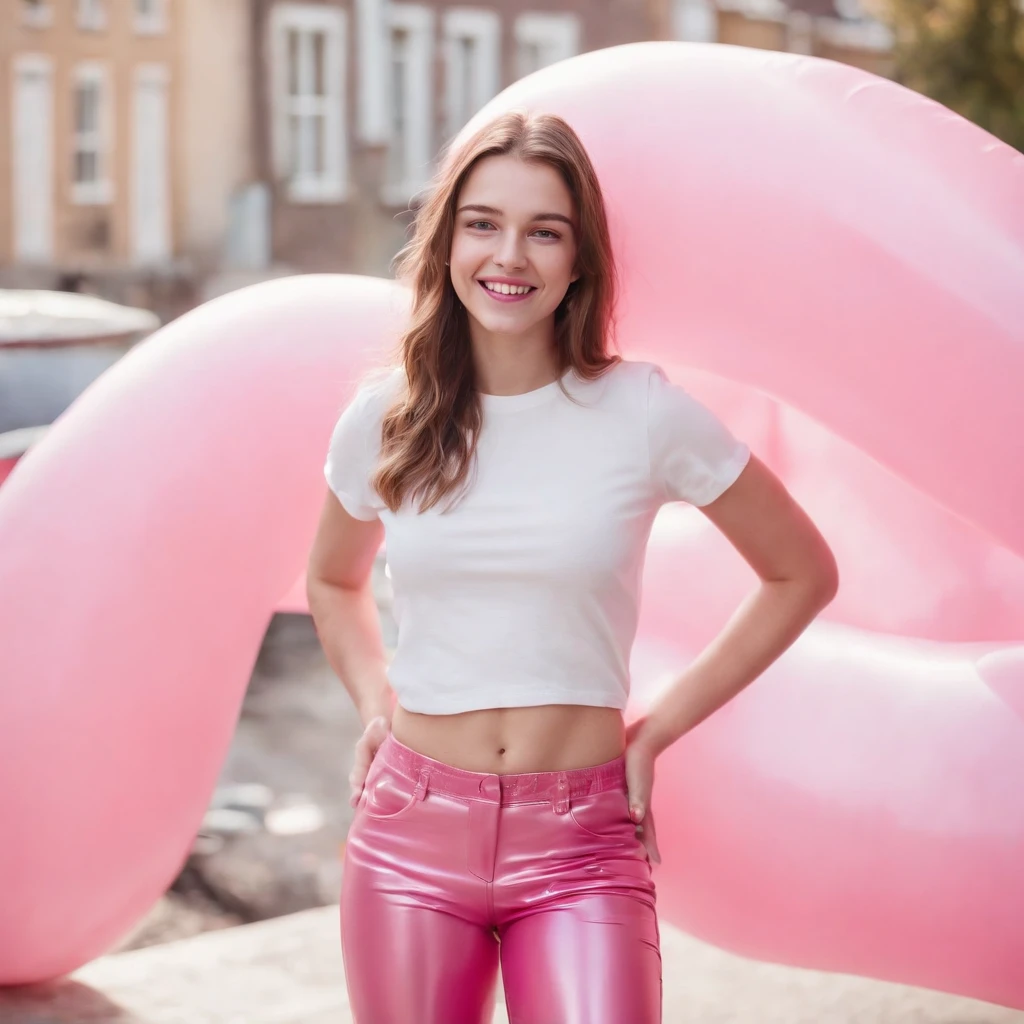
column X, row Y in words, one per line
column 92, row 15
column 153, row 22
column 160, row 76
column 418, row 21
column 39, row 15
column 332, row 185
column 34, row 65
column 101, row 191
column 484, row 28
column 371, row 95
column 558, row 34
column 695, row 21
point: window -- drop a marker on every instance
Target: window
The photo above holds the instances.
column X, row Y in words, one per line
column 695, row 21
column 543, row 39
column 472, row 59
column 410, row 87
column 36, row 13
column 799, row 32
column 150, row 170
column 310, row 151
column 849, row 10
column 92, row 15
column 150, row 17
column 90, row 181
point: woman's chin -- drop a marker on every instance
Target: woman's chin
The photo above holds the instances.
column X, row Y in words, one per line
column 510, row 321
column 508, row 324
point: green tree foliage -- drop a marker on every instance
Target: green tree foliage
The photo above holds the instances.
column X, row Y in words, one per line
column 968, row 55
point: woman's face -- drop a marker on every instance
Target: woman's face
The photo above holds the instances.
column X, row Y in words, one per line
column 513, row 250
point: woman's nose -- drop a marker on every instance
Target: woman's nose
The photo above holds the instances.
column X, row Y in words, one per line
column 510, row 252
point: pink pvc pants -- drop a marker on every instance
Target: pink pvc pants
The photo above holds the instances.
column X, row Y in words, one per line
column 447, row 872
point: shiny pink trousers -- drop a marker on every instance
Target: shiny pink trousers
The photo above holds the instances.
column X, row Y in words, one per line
column 448, row 873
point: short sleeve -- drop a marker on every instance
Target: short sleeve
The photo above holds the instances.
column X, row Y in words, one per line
column 352, row 457
column 694, row 456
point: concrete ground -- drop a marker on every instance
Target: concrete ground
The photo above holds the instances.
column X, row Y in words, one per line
column 288, row 971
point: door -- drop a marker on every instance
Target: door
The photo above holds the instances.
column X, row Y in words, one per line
column 151, row 203
column 32, row 181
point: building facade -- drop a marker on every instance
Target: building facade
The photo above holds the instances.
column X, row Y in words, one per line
column 158, row 151
column 359, row 96
column 126, row 131
column 840, row 30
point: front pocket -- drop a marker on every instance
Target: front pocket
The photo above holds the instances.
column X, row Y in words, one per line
column 603, row 815
column 388, row 795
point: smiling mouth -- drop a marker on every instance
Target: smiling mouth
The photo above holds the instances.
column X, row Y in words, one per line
column 507, row 292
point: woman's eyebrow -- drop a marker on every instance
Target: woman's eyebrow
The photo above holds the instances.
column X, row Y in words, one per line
column 491, row 211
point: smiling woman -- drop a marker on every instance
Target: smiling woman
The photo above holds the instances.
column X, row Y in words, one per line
column 518, row 602
column 510, row 674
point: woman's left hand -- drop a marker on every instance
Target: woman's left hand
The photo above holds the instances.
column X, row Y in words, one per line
column 640, row 782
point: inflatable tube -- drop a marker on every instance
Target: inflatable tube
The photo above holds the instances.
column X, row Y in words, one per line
column 146, row 541
column 854, row 290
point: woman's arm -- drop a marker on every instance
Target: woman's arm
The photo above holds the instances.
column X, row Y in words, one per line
column 341, row 602
column 799, row 578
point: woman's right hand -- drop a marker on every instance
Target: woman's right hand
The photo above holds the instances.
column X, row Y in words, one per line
column 373, row 736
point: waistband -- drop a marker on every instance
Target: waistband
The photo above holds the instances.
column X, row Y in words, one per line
column 436, row 776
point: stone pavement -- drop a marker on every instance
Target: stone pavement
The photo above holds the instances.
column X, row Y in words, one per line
column 288, row 971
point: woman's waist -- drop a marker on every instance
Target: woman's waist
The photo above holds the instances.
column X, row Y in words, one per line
column 515, row 740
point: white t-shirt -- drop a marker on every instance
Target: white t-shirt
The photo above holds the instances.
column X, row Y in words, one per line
column 527, row 591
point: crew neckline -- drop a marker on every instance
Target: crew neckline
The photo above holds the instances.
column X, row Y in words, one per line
column 525, row 399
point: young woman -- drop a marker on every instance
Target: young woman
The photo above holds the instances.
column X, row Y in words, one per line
column 515, row 467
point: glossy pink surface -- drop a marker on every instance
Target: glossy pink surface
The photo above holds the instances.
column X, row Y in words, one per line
column 440, row 864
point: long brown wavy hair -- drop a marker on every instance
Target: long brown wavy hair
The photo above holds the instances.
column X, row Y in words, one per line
column 429, row 435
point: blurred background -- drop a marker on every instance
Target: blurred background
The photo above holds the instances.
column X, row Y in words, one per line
column 157, row 153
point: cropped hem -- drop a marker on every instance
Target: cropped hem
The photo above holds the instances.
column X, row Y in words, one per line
column 527, row 699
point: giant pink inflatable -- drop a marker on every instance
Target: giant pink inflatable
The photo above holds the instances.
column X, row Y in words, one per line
column 833, row 263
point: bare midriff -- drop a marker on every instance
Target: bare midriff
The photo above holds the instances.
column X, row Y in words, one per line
column 511, row 741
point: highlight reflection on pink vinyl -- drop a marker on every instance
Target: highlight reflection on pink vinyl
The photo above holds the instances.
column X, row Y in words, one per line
column 829, row 260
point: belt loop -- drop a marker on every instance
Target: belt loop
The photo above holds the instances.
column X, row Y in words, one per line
column 421, row 783
column 561, row 800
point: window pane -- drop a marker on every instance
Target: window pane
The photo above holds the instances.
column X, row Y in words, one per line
column 468, row 58
column 399, row 104
column 86, row 167
column 319, row 51
column 530, row 58
column 86, row 107
column 319, row 130
column 293, row 62
column 307, row 147
column 294, row 145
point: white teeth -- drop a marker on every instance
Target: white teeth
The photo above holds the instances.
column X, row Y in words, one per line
column 507, row 289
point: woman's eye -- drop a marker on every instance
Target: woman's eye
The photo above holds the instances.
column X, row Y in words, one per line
column 544, row 232
column 480, row 224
